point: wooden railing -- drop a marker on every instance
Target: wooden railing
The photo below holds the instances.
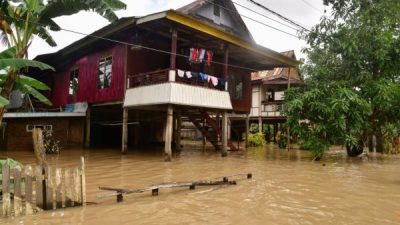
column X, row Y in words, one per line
column 272, row 107
column 149, row 78
column 162, row 76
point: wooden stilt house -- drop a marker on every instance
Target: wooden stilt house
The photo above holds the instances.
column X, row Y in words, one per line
column 141, row 75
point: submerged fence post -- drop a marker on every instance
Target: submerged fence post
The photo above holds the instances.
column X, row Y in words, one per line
column 6, row 190
column 83, row 181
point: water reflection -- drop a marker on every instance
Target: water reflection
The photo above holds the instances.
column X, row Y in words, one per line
column 287, row 188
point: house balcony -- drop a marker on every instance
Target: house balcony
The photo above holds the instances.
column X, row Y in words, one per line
column 272, row 109
column 165, row 86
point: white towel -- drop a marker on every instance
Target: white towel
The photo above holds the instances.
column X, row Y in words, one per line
column 181, row 73
column 189, row 74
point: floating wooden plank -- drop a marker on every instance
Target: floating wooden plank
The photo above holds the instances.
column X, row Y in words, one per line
column 155, row 188
column 49, row 188
column 67, row 188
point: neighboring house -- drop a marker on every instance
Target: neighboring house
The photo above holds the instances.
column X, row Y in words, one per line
column 268, row 88
column 139, row 88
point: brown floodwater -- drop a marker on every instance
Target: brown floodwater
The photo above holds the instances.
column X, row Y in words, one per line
column 287, row 188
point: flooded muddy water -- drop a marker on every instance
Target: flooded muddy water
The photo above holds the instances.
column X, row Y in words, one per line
column 287, row 188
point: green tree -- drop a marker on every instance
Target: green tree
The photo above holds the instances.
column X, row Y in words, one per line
column 352, row 87
column 22, row 20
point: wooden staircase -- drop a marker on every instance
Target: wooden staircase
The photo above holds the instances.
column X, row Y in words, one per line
column 208, row 127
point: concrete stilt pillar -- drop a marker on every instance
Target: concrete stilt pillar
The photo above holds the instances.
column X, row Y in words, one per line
column 136, row 131
column 178, row 130
column 168, row 133
column 247, row 131
column 260, row 125
column 224, row 134
column 125, row 116
column 204, row 137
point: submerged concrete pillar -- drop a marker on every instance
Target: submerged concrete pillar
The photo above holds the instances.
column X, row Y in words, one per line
column 247, row 131
column 178, row 130
column 260, row 125
column 125, row 116
column 168, row 133
column 224, row 134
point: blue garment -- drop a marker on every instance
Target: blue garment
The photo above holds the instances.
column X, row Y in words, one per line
column 203, row 76
column 221, row 82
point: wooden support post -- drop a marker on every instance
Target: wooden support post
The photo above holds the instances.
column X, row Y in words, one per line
column 275, row 131
column 125, row 116
column 174, row 46
column 168, row 133
column 17, row 192
column 6, row 190
column 87, row 127
column 247, row 131
column 178, row 130
column 224, row 134
column 83, row 181
column 226, row 62
column 136, row 129
column 287, row 118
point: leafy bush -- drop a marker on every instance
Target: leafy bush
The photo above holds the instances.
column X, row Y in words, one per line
column 256, row 140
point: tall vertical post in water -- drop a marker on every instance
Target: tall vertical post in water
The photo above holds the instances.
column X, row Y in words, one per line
column 125, row 116
column 168, row 133
column 247, row 131
column 224, row 134
column 178, row 130
column 170, row 111
column 287, row 117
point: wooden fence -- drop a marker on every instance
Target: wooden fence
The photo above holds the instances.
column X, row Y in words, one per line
column 33, row 188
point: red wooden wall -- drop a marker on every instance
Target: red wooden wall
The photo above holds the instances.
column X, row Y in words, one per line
column 88, row 77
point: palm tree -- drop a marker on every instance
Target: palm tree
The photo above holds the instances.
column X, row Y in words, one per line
column 21, row 20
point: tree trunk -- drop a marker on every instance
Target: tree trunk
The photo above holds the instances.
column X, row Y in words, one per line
column 371, row 143
column 379, row 143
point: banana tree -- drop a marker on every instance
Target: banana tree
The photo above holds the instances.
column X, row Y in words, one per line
column 9, row 64
column 21, row 21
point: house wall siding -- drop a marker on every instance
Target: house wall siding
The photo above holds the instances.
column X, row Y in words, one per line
column 69, row 131
column 88, row 78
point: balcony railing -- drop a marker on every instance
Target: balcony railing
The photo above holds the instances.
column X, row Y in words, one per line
column 149, row 78
column 164, row 76
column 272, row 107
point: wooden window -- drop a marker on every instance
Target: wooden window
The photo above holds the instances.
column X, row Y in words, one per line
column 235, row 86
column 73, row 82
column 30, row 127
column 105, row 73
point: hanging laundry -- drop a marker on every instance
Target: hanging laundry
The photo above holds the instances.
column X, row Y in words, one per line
column 202, row 54
column 212, row 79
column 195, row 74
column 191, row 54
column 188, row 74
column 181, row 73
column 203, row 77
column 209, row 57
column 221, row 83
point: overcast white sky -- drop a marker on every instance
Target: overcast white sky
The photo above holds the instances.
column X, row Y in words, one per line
column 305, row 12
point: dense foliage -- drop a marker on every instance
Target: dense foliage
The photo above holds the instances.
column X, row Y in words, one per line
column 352, row 86
column 256, row 140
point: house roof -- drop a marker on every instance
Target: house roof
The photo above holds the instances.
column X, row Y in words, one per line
column 278, row 74
column 243, row 51
column 191, row 8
